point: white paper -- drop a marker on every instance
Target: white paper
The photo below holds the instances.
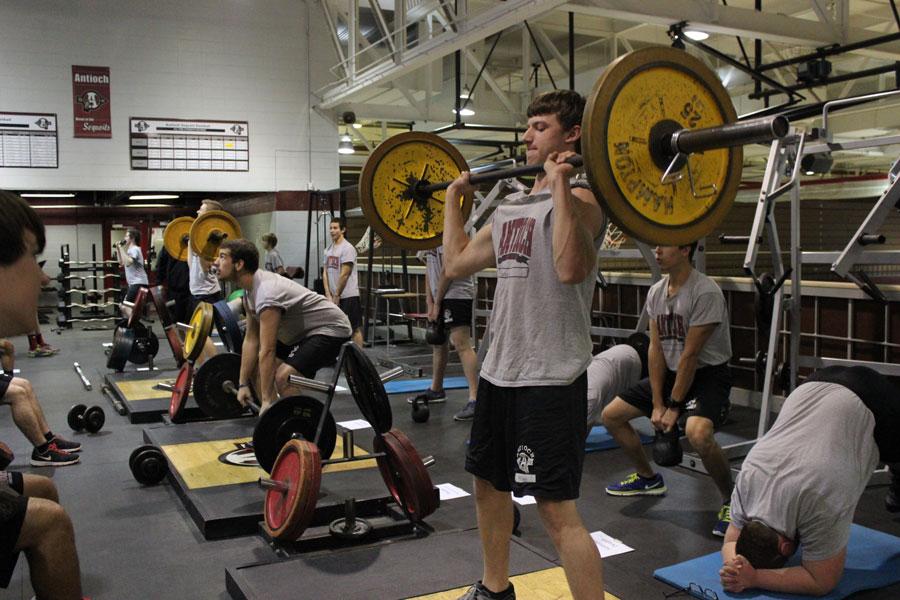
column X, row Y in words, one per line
column 355, row 424
column 609, row 546
column 524, row 500
column 450, row 491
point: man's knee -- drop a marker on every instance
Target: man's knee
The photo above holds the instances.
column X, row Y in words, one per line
column 700, row 433
column 558, row 516
column 616, row 413
column 283, row 376
column 460, row 338
column 38, row 486
column 46, row 524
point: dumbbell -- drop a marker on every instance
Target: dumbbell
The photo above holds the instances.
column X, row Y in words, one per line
column 82, row 418
column 6, row 456
column 148, row 464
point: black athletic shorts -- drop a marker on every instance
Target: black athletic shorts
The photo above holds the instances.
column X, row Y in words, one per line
column 707, row 397
column 196, row 300
column 457, row 312
column 5, row 379
column 311, row 354
column 353, row 309
column 133, row 290
column 879, row 396
column 530, row 440
column 13, row 506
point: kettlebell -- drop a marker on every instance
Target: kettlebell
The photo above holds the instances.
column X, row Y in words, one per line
column 420, row 410
column 435, row 333
column 667, row 450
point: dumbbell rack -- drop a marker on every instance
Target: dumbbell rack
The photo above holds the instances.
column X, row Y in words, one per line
column 100, row 272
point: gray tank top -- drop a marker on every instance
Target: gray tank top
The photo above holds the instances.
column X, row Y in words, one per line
column 540, row 328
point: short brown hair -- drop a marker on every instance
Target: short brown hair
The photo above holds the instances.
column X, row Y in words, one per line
column 340, row 221
column 758, row 543
column 213, row 204
column 16, row 216
column 245, row 250
column 271, row 239
column 567, row 105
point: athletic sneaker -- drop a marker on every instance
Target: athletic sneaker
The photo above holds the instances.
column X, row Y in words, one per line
column 64, row 445
column 430, row 395
column 52, row 457
column 41, row 351
column 467, row 413
column 479, row 592
column 635, row 485
column 724, row 520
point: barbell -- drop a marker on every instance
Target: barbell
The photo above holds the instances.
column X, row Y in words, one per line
column 662, row 151
column 204, row 234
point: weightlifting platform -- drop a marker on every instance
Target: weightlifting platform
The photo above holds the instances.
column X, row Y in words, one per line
column 216, row 476
column 143, row 403
column 410, row 568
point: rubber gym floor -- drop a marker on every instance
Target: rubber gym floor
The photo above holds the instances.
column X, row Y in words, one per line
column 140, row 542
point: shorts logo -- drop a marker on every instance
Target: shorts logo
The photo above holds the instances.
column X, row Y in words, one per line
column 691, row 404
column 241, row 456
column 448, row 316
column 524, row 458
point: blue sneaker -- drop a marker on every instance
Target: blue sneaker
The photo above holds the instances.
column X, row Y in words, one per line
column 724, row 520
column 635, row 485
column 467, row 413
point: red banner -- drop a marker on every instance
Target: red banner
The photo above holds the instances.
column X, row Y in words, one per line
column 90, row 93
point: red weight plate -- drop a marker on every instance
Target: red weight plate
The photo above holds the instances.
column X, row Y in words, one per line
column 137, row 311
column 158, row 295
column 180, row 391
column 175, row 344
column 405, row 475
column 287, row 514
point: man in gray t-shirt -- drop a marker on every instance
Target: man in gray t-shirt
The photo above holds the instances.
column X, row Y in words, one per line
column 340, row 279
column 689, row 378
column 128, row 252
column 273, row 261
column 802, row 480
column 610, row 373
column 285, row 321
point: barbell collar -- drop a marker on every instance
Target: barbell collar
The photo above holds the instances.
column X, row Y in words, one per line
column 764, row 129
column 272, row 484
column 309, row 383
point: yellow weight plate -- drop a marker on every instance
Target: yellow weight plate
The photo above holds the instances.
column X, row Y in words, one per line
column 386, row 185
column 640, row 98
column 211, row 229
column 201, row 326
column 173, row 237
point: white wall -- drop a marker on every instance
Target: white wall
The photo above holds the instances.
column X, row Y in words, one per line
column 203, row 59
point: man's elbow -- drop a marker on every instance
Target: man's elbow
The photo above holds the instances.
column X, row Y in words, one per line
column 572, row 274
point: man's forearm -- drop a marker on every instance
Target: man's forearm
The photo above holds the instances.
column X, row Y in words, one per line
column 249, row 358
column 684, row 377
column 794, row 580
column 267, row 374
column 454, row 236
column 574, row 256
column 342, row 283
column 657, row 374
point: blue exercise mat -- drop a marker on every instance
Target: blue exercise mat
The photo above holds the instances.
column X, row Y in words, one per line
column 402, row 386
column 873, row 561
column 600, row 439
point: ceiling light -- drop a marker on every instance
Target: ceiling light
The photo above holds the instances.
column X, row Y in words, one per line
column 45, row 206
column 810, row 172
column 60, row 195
column 696, row 35
column 465, row 94
column 465, row 112
column 357, row 126
column 153, row 197
column 346, row 145
column 149, row 205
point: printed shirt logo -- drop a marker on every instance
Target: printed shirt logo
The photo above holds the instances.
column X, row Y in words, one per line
column 332, row 262
column 242, row 456
column 671, row 327
column 514, row 250
column 524, row 462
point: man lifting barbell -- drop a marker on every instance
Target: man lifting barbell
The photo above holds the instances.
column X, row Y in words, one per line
column 129, row 255
column 529, row 428
column 31, row 520
column 689, row 378
column 203, row 282
column 284, row 320
column 801, row 482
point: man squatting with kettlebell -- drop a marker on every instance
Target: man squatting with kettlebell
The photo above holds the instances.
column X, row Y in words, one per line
column 285, row 321
column 689, row 378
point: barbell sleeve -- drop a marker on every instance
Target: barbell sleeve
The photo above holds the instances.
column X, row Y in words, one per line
column 392, row 374
column 764, row 129
column 273, row 484
column 309, row 383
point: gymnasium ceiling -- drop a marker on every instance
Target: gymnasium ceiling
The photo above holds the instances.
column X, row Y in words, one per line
column 391, row 88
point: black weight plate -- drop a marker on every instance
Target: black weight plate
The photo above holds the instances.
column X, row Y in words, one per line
column 145, row 347
column 123, row 341
column 150, row 466
column 134, row 454
column 367, row 388
column 94, row 418
column 75, row 416
column 158, row 295
column 214, row 401
column 137, row 311
column 228, row 327
column 287, row 417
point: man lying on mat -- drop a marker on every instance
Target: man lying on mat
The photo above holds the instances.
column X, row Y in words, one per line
column 284, row 320
column 801, row 482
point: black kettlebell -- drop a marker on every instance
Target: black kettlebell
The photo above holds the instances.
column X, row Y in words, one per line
column 667, row 450
column 435, row 334
column 420, row 410
column 82, row 418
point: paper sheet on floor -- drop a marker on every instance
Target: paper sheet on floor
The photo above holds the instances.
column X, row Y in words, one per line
column 449, row 491
column 355, row 424
column 609, row 546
